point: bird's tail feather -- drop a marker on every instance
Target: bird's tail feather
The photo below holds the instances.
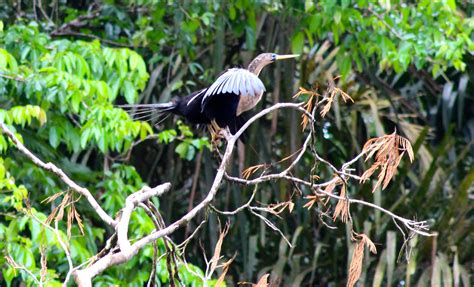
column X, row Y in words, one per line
column 153, row 113
column 160, row 106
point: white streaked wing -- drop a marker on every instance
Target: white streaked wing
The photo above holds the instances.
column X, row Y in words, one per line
column 223, row 85
column 237, row 81
column 195, row 97
column 230, row 86
column 236, row 85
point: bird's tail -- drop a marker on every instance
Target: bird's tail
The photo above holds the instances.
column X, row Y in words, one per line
column 153, row 113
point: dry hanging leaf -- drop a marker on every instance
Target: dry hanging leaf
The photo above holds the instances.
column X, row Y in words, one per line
column 217, row 249
column 312, row 200
column 262, row 282
column 225, row 269
column 52, row 197
column 342, row 207
column 77, row 216
column 70, row 218
column 330, row 187
column 308, row 106
column 291, row 205
column 366, row 240
column 388, row 151
column 278, row 208
column 58, row 212
column 251, row 170
column 355, row 268
column 61, row 207
column 331, row 92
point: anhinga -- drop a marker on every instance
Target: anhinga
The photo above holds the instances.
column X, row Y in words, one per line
column 235, row 91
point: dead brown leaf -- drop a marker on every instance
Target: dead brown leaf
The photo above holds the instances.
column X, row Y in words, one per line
column 262, row 282
column 388, row 151
column 330, row 95
column 251, row 170
column 67, row 203
column 217, row 249
column 291, row 205
column 355, row 268
column 342, row 206
column 52, row 197
column 330, row 187
column 308, row 106
column 312, row 200
column 225, row 269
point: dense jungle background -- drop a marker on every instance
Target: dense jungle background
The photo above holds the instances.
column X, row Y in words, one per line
column 64, row 65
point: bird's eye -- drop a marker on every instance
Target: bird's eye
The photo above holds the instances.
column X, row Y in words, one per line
column 274, row 57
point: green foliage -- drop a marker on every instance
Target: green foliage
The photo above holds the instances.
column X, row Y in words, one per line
column 188, row 146
column 407, row 65
column 397, row 36
column 62, row 91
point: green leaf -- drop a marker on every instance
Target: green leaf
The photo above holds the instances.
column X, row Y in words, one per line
column 185, row 150
column 452, row 4
column 167, row 136
column 315, row 22
column 129, row 92
column 345, row 65
column 8, row 274
column 102, row 143
column 54, row 136
column 232, row 13
column 85, row 137
column 134, row 59
column 297, row 43
column 250, row 39
column 337, row 17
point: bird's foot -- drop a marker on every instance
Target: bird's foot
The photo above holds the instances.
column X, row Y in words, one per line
column 217, row 134
column 214, row 130
column 225, row 133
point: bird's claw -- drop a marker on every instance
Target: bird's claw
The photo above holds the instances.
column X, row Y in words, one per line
column 218, row 133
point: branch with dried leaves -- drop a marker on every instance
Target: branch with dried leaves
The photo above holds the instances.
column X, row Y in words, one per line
column 61, row 174
column 126, row 250
column 388, row 151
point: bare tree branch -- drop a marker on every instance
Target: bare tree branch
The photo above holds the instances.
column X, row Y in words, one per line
column 126, row 250
column 61, row 174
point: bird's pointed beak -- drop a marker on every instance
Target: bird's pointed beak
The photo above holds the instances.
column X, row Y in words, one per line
column 282, row 57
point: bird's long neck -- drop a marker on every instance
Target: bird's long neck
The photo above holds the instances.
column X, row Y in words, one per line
column 256, row 66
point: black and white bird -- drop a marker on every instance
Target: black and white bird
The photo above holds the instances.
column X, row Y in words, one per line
column 236, row 91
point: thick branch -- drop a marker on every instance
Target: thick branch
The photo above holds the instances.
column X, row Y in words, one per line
column 217, row 180
column 127, row 251
column 84, row 277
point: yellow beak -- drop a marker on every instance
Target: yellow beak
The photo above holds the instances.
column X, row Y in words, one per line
column 282, row 57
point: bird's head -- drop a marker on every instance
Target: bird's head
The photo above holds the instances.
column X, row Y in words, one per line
column 266, row 58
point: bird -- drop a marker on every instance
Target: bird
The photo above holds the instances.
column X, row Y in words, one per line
column 222, row 104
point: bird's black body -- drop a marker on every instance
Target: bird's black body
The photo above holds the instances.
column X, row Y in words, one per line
column 233, row 93
column 222, row 109
column 192, row 112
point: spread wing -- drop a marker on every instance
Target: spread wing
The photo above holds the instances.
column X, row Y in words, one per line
column 236, row 81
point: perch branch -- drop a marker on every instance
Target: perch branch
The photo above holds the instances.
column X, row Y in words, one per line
column 127, row 251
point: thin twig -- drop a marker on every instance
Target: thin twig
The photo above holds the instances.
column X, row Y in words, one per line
column 61, row 174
